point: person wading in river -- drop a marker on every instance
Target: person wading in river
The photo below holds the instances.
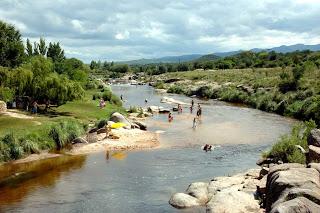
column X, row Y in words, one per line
column 170, row 117
column 199, row 111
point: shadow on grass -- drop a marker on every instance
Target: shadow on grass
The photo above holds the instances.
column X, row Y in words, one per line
column 54, row 114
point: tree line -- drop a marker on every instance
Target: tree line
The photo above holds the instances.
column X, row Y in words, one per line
column 39, row 71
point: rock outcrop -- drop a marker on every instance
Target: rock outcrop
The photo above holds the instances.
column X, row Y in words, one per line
column 292, row 188
column 314, row 146
column 314, row 137
column 222, row 194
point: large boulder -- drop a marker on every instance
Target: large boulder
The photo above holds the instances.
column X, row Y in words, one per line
column 314, row 137
column 182, row 200
column 141, row 125
column 314, row 154
column 3, row 106
column 299, row 204
column 232, row 201
column 199, row 190
column 279, row 181
column 117, row 117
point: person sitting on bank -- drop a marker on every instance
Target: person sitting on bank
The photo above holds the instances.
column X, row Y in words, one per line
column 102, row 103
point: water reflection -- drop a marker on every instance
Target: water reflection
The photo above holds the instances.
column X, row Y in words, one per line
column 18, row 180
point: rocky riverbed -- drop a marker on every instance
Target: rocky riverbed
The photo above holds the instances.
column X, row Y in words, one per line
column 275, row 188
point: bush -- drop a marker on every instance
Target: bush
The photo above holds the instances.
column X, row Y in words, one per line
column 29, row 146
column 65, row 132
column 159, row 85
column 232, row 94
column 285, row 149
column 12, row 147
column 288, row 85
column 133, row 109
column 176, row 89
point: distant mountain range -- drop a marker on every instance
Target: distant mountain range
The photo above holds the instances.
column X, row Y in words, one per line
column 212, row 56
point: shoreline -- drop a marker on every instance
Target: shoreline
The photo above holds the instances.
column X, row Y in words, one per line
column 129, row 139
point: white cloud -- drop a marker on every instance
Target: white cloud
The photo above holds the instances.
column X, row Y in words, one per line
column 124, row 30
column 123, row 35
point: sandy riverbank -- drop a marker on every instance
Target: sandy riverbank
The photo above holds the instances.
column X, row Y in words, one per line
column 129, row 139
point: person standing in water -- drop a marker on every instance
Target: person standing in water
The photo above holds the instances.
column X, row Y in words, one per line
column 121, row 97
column 170, row 117
column 199, row 111
column 194, row 123
column 145, row 101
column 192, row 103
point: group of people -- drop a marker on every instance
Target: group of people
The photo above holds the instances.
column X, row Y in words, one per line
column 195, row 119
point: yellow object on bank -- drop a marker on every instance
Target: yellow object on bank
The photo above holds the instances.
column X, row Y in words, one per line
column 117, row 125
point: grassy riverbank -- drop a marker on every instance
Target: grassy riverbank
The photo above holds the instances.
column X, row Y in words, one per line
column 293, row 92
column 53, row 130
column 275, row 90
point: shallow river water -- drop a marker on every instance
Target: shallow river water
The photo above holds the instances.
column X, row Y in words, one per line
column 143, row 181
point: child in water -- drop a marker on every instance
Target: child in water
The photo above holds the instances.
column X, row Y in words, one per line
column 194, row 123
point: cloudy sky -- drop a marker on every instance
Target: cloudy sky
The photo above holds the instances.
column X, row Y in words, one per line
column 133, row 29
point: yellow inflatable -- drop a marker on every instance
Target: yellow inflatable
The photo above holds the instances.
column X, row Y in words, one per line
column 117, row 125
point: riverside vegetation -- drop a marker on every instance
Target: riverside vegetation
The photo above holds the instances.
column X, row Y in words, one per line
column 42, row 73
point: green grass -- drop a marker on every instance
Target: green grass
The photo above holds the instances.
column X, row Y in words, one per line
column 55, row 129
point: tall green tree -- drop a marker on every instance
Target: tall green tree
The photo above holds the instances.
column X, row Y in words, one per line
column 55, row 52
column 35, row 49
column 29, row 49
column 11, row 46
column 42, row 47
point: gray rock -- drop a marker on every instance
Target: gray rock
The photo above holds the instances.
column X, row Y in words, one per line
column 232, row 201
column 314, row 137
column 314, row 154
column 280, row 180
column 299, row 204
column 182, row 200
column 221, row 183
column 164, row 110
column 79, row 140
column 117, row 117
column 199, row 190
column 141, row 125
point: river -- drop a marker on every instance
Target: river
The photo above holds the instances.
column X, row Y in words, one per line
column 143, row 181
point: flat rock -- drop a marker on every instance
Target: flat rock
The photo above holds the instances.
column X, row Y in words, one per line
column 220, row 183
column 182, row 200
column 232, row 201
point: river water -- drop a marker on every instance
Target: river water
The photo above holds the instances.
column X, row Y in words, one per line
column 143, row 181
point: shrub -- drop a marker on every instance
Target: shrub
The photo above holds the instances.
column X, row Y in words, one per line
column 176, row 89
column 288, row 85
column 12, row 146
column 285, row 149
column 232, row 94
column 133, row 109
column 65, row 132
column 116, row 100
column 29, row 146
column 159, row 85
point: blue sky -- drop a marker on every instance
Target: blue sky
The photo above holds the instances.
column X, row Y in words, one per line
column 133, row 29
